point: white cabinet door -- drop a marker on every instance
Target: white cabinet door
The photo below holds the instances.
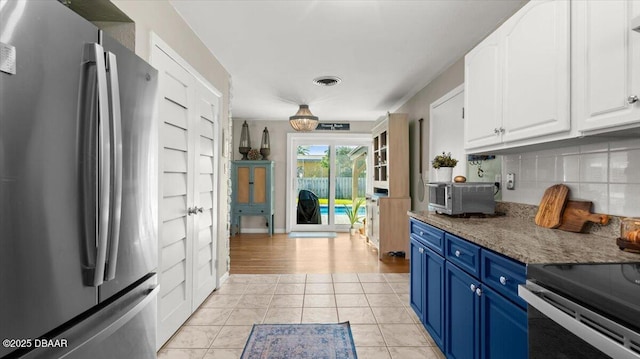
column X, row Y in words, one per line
column 606, row 63
column 483, row 94
column 535, row 43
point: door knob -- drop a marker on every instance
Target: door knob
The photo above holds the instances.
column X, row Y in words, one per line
column 632, row 99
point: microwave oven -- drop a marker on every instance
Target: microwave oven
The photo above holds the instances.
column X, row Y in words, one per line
column 454, row 198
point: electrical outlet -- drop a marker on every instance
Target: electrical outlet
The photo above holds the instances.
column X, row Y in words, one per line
column 511, row 181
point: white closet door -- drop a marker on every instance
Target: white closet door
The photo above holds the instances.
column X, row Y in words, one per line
column 205, row 179
column 177, row 102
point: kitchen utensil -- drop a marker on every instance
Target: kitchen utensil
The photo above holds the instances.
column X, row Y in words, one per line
column 576, row 215
column 421, row 181
column 551, row 206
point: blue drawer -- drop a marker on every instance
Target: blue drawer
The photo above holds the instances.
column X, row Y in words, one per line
column 503, row 275
column 465, row 255
column 431, row 236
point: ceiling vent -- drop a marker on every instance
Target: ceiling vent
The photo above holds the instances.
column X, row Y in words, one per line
column 327, row 80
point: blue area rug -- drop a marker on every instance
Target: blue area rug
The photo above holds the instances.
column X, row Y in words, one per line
column 313, row 235
column 300, row 341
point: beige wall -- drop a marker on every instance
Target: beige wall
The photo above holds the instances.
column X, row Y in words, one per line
column 418, row 107
column 160, row 17
column 278, row 137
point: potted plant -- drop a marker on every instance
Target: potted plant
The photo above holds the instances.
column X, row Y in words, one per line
column 352, row 213
column 443, row 164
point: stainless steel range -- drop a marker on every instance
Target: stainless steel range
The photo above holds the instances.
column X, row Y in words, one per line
column 583, row 311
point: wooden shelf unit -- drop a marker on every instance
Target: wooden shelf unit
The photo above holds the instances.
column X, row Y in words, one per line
column 388, row 205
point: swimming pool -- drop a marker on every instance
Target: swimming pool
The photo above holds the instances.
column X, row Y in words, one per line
column 340, row 210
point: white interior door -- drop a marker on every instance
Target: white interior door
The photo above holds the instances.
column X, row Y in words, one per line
column 175, row 257
column 205, row 179
column 189, row 178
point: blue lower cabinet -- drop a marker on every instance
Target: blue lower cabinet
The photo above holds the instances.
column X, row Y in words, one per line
column 504, row 327
column 417, row 278
column 434, row 285
column 462, row 314
column 469, row 307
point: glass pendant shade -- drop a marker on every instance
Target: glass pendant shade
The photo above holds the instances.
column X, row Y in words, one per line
column 245, row 141
column 303, row 120
column 265, row 145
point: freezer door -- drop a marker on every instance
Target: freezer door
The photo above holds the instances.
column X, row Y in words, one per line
column 122, row 328
column 135, row 242
column 43, row 250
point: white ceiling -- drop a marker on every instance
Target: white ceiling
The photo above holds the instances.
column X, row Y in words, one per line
column 384, row 51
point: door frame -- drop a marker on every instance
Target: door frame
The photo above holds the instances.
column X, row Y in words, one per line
column 315, row 138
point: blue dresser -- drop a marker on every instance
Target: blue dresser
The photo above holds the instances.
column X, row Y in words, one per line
column 252, row 192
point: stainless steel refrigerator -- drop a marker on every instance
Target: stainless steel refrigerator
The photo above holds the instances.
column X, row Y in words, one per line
column 78, row 189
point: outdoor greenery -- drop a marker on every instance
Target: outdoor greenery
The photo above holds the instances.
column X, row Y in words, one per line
column 444, row 160
column 352, row 212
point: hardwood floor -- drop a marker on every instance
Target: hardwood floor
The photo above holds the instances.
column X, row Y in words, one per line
column 259, row 253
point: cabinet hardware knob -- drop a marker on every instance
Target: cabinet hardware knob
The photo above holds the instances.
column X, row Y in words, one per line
column 421, row 250
column 503, row 280
column 478, row 292
column 421, row 233
column 501, row 129
column 191, row 211
column 472, row 287
column 200, row 209
column 496, row 131
column 457, row 253
column 632, row 99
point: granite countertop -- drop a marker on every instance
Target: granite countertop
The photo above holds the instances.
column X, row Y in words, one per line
column 521, row 239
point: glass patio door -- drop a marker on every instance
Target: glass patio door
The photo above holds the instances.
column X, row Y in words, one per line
column 326, row 175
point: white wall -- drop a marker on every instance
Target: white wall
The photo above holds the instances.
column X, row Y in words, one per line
column 418, row 107
column 278, row 135
column 607, row 173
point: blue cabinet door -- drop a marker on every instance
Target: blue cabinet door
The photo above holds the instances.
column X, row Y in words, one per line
column 504, row 328
column 462, row 314
column 417, row 278
column 434, row 288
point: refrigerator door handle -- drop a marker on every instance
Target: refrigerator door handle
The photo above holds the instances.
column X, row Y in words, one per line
column 116, row 165
column 104, row 167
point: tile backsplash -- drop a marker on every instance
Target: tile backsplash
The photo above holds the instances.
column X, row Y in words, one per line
column 606, row 173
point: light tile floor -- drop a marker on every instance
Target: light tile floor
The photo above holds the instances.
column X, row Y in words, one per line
column 377, row 305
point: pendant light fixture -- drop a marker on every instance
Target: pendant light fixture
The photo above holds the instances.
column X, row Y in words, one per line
column 303, row 120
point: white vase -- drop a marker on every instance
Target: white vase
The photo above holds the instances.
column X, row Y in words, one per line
column 444, row 174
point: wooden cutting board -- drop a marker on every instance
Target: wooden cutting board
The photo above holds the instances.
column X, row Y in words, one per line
column 576, row 215
column 551, row 206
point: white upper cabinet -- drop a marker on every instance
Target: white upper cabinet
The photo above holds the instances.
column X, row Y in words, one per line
column 535, row 44
column 517, row 81
column 483, row 94
column 606, row 65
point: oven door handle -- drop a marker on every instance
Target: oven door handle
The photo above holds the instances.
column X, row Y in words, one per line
column 572, row 317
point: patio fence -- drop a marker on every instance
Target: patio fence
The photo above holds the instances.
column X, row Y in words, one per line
column 320, row 186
